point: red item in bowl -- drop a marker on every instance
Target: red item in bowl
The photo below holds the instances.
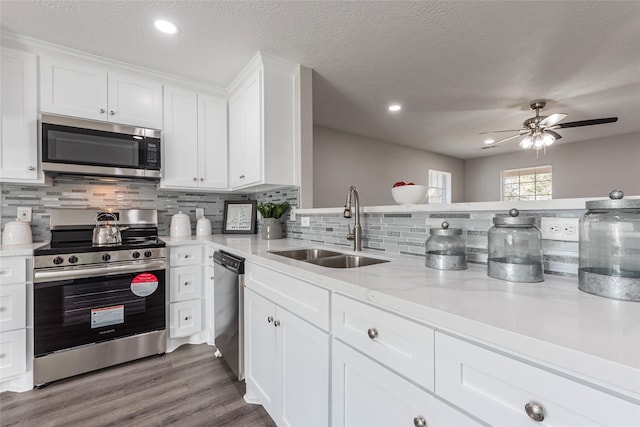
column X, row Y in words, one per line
column 410, row 183
column 399, row 184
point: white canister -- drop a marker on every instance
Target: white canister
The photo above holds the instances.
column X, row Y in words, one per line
column 203, row 227
column 17, row 233
column 180, row 225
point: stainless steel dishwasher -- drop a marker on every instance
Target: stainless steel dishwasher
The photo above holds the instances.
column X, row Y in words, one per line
column 228, row 301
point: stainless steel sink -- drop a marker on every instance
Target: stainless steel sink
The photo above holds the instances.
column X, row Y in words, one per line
column 327, row 258
column 346, row 261
column 305, row 254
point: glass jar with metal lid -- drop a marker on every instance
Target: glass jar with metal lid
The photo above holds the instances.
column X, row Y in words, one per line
column 515, row 248
column 609, row 263
column 446, row 249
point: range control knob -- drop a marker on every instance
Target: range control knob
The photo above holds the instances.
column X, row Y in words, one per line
column 73, row 259
column 136, row 254
column 58, row 260
column 148, row 254
column 106, row 257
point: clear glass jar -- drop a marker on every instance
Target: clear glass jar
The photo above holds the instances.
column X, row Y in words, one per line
column 446, row 249
column 609, row 263
column 515, row 249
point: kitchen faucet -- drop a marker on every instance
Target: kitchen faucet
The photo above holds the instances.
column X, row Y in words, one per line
column 356, row 234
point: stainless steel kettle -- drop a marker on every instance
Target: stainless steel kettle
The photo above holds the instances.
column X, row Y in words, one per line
column 107, row 234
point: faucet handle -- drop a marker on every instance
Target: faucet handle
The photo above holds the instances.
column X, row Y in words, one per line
column 351, row 235
column 347, row 212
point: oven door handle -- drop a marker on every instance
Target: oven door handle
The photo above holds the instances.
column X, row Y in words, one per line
column 53, row 274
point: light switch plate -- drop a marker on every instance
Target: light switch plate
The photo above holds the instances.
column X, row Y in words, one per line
column 305, row 221
column 199, row 213
column 24, row 214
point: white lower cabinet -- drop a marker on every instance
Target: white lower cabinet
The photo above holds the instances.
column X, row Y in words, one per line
column 365, row 393
column 286, row 363
column 185, row 294
column 503, row 391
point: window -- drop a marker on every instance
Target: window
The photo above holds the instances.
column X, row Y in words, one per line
column 527, row 184
column 439, row 187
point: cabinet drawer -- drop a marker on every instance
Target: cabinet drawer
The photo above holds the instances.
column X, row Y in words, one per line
column 185, row 255
column 185, row 283
column 299, row 297
column 185, row 318
column 496, row 388
column 398, row 343
column 13, row 270
column 13, row 353
column 13, row 306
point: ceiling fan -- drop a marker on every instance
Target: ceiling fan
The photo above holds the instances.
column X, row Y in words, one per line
column 539, row 132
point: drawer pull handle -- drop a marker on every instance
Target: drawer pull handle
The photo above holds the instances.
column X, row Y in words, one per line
column 187, row 318
column 31, row 168
column 269, row 319
column 276, row 323
column 187, row 283
column 211, row 277
column 2, row 356
column 535, row 411
column 419, row 421
column 373, row 333
column 241, row 176
column 3, row 309
column 187, row 256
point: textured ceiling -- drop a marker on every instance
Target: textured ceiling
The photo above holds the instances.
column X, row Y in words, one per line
column 458, row 68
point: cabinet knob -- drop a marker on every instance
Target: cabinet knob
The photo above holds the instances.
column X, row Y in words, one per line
column 102, row 111
column 201, row 179
column 535, row 411
column 420, row 421
column 241, row 176
column 269, row 319
column 187, row 256
column 211, row 277
column 186, row 283
column 187, row 318
column 195, row 179
column 2, row 355
column 113, row 113
column 276, row 323
column 31, row 168
column 373, row 333
column 3, row 309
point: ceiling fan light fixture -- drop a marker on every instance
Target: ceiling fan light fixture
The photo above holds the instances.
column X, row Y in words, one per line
column 548, row 139
column 527, row 142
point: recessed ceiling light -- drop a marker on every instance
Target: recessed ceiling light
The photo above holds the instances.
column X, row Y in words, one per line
column 489, row 141
column 395, row 107
column 165, row 26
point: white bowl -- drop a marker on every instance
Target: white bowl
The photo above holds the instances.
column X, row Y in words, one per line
column 409, row 194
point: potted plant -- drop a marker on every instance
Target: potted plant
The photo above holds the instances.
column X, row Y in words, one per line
column 271, row 214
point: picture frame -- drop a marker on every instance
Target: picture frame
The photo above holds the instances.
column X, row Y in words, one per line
column 239, row 217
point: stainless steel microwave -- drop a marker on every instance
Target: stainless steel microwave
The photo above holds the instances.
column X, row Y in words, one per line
column 84, row 147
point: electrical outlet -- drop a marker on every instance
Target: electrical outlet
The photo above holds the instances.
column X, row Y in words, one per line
column 24, row 214
column 305, row 221
column 565, row 229
column 199, row 213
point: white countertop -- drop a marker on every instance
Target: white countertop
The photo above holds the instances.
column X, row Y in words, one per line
column 20, row 250
column 552, row 322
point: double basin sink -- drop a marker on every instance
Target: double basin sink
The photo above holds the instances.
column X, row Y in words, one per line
column 326, row 258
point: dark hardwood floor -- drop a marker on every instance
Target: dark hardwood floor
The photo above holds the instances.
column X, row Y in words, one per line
column 188, row 387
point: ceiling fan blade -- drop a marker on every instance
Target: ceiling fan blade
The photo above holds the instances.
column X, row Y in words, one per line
column 552, row 119
column 556, row 135
column 586, row 123
column 493, row 144
column 510, row 130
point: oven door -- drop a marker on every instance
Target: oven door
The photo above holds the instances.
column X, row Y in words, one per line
column 85, row 310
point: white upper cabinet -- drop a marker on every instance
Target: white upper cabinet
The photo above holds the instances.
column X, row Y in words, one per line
column 80, row 90
column 263, row 113
column 195, row 141
column 19, row 118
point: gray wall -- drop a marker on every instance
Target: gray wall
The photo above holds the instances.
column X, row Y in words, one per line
column 341, row 159
column 580, row 169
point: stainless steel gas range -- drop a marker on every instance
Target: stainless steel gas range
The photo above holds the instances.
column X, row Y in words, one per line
column 97, row 306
